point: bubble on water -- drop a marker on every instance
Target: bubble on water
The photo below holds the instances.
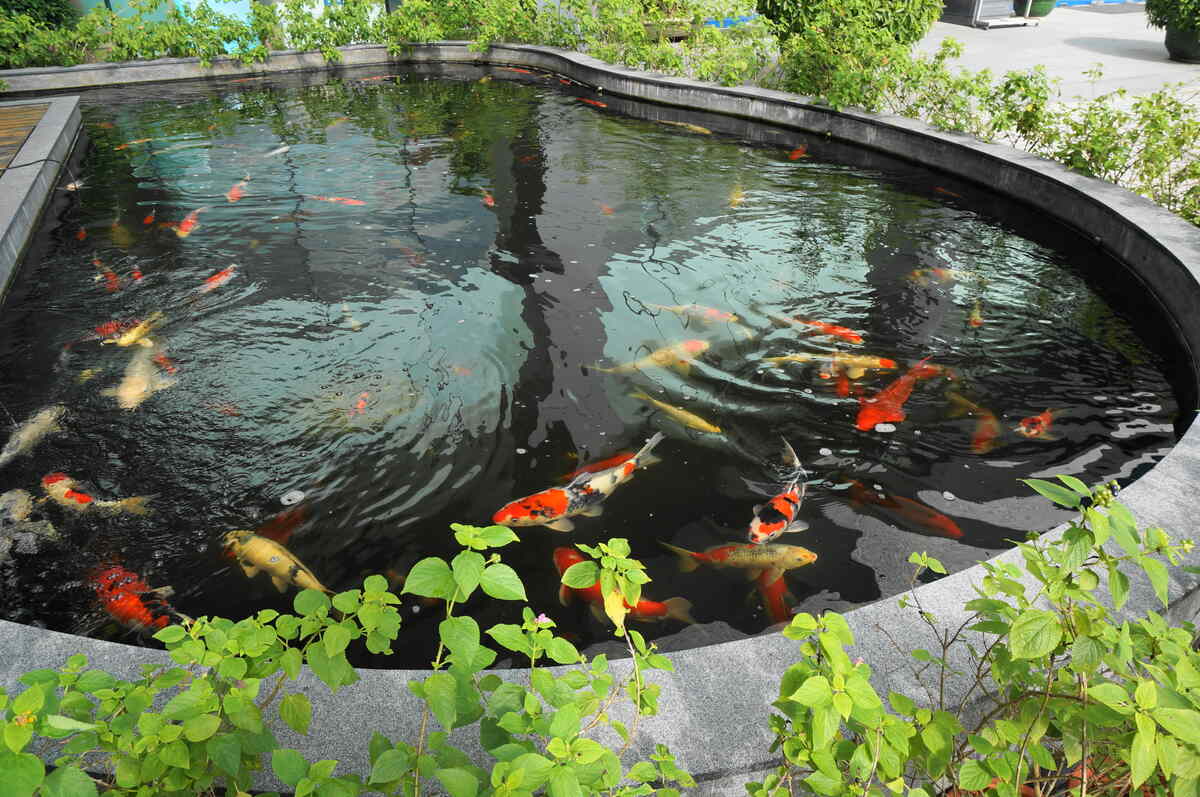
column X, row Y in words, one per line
column 1045, row 321
column 522, row 451
column 1099, row 398
column 885, row 427
column 825, row 452
column 879, row 487
column 808, row 390
column 949, row 496
column 291, row 497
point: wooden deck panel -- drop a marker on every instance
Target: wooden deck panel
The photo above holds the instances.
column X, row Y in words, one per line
column 16, row 123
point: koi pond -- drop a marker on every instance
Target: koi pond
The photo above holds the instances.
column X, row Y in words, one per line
column 343, row 310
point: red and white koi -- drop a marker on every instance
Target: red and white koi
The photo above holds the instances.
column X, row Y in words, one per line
column 1037, row 426
column 217, row 280
column 583, row 495
column 61, row 489
column 778, row 516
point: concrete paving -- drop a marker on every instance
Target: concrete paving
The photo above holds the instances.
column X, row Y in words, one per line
column 1069, row 42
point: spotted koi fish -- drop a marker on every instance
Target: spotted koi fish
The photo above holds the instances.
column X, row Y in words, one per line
column 755, row 559
column 254, row 554
column 120, row 593
column 583, row 495
column 1037, row 426
column 61, row 489
column 778, row 516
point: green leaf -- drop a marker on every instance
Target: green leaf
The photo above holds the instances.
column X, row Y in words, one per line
column 461, row 636
column 22, row 773
column 1034, row 634
column 92, row 680
column 390, row 766
column 441, row 695
column 1118, row 586
column 825, row 722
column 861, row 692
column 61, row 723
column 581, row 575
column 562, row 651
column 335, row 639
column 197, row 729
column 1086, row 653
column 1146, row 695
column 498, row 536
column 566, row 720
column 1143, row 757
column 289, row 766
column 502, row 582
column 564, row 783
column 972, row 776
column 510, row 636
column 68, row 781
column 290, row 662
column 347, row 602
column 226, row 752
column 815, row 691
column 467, row 568
column 1075, row 484
column 232, row 668
column 430, row 577
column 375, row 585
column 310, row 601
column 1058, row 495
column 296, row 711
column 458, row 782
column 175, row 754
column 242, row 712
column 17, row 736
column 1156, row 571
column 31, row 700
column 1183, row 723
column 643, row 772
column 171, row 634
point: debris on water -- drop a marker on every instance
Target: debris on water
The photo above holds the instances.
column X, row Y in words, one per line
column 825, row 452
column 949, row 496
column 292, row 497
column 885, row 427
column 522, row 451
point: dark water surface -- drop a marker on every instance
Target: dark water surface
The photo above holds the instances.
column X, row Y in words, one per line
column 423, row 354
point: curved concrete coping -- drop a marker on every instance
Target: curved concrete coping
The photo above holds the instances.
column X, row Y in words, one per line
column 714, row 707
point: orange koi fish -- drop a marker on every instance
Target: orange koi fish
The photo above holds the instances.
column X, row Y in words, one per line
column 672, row 608
column 678, row 356
column 1037, row 426
column 238, row 190
column 166, row 363
column 131, row 143
column 112, row 283
column 778, row 516
column 80, row 234
column 583, row 495
column 772, row 558
column 185, row 228
column 605, row 209
column 777, row 600
column 887, row 406
column 61, row 489
column 798, row 153
column 150, row 217
column 360, row 406
column 947, row 192
column 341, row 200
column 136, row 274
column 976, row 317
column 611, row 462
column 120, row 594
column 515, row 69
column 217, row 280
column 987, row 426
column 823, row 328
column 488, row 200
column 596, row 103
column 224, row 407
column 914, row 515
column 111, row 328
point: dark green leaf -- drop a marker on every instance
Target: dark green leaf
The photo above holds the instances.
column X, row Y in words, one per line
column 390, row 766
column 430, row 577
column 296, row 711
column 1118, row 586
column 502, row 582
column 289, row 766
column 175, row 754
column 458, row 782
column 562, row 651
column 441, row 696
column 1034, row 634
column 22, row 773
column 1057, row 494
column 68, row 782
column 226, row 752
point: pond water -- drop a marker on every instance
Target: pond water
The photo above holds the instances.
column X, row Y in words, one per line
column 385, row 303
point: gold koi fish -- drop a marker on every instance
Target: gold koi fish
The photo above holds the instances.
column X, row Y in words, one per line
column 137, row 335
column 678, row 356
column 31, row 432
column 141, row 381
column 255, row 554
column 688, row 419
column 771, row 558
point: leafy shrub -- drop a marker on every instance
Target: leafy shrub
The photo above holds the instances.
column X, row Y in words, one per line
column 51, row 13
column 904, row 22
column 1183, row 15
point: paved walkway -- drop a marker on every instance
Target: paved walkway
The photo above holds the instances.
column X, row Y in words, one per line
column 1068, row 43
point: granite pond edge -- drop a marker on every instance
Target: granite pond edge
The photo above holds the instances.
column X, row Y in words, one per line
column 713, row 709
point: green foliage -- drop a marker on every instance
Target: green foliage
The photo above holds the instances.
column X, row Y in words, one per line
column 49, row 13
column 838, row 21
column 200, row 726
column 1183, row 15
column 1066, row 688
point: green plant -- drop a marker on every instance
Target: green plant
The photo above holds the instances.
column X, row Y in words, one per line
column 51, row 13
column 1182, row 15
column 199, row 727
column 840, row 21
column 1061, row 695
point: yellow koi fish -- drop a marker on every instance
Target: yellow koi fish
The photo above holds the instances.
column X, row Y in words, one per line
column 678, row 356
column 688, row 419
column 255, row 554
column 137, row 335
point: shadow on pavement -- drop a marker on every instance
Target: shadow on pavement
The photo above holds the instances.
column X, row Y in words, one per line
column 1124, row 48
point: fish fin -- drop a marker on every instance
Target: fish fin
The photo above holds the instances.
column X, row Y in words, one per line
column 137, row 504
column 280, row 582
column 562, row 524
column 147, row 342
column 250, row 570
column 1049, row 436
column 684, row 367
column 789, row 454
column 648, row 459
column 595, row 510
column 771, row 575
column 602, row 369
column 757, row 508
column 753, row 574
column 679, row 609
column 564, row 595
column 795, row 526
column 163, row 592
column 687, row 560
column 654, row 440
column 638, row 394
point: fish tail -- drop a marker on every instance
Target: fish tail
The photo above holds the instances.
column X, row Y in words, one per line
column 687, row 559
column 961, row 406
column 679, row 609
column 638, row 394
column 789, row 455
column 650, row 444
column 137, row 505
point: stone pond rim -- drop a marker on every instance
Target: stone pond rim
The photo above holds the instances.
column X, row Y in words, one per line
column 713, row 709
